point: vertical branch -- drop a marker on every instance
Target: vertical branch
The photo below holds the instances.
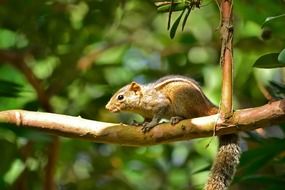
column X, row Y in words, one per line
column 226, row 58
column 227, row 159
column 50, row 168
column 18, row 60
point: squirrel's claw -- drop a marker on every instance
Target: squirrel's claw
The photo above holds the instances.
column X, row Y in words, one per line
column 147, row 126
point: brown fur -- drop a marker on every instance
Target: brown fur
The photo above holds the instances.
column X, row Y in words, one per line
column 177, row 96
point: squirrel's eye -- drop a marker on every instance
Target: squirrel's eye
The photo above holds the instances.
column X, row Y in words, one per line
column 120, row 97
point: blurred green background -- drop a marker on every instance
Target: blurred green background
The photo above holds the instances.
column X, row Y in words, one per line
column 69, row 56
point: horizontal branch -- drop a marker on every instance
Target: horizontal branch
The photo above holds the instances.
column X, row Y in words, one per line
column 77, row 127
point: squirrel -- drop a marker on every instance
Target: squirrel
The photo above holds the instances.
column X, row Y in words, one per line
column 178, row 97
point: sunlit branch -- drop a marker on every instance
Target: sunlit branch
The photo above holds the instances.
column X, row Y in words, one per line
column 226, row 58
column 102, row 132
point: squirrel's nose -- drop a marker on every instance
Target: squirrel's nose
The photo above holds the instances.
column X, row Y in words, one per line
column 111, row 107
column 108, row 106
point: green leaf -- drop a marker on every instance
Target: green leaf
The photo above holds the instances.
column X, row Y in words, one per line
column 268, row 61
column 9, row 89
column 272, row 18
column 185, row 18
column 276, row 89
column 281, row 56
column 175, row 25
column 278, row 86
column 263, row 179
column 165, row 6
column 255, row 159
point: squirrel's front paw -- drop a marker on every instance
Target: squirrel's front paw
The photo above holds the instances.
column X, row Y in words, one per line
column 147, row 126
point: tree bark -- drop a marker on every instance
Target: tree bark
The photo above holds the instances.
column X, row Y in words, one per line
column 122, row 134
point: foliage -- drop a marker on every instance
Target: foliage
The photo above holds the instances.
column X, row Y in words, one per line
column 170, row 6
column 80, row 52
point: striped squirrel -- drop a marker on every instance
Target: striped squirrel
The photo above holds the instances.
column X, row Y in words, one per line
column 177, row 97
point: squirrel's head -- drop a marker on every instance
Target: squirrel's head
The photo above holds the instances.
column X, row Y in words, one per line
column 125, row 99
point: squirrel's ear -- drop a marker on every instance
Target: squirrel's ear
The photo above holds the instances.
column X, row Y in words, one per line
column 135, row 87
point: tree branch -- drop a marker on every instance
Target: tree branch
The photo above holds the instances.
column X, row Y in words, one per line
column 102, row 132
column 17, row 59
column 226, row 58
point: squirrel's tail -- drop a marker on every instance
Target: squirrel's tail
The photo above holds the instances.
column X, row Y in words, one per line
column 225, row 164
